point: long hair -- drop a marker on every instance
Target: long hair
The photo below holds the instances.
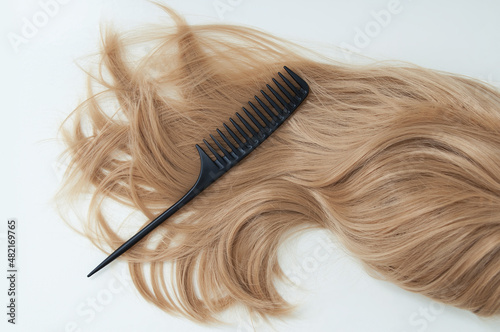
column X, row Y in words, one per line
column 400, row 163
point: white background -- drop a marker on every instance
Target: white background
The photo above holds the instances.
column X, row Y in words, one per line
column 41, row 84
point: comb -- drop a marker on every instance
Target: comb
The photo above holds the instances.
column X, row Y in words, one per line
column 254, row 127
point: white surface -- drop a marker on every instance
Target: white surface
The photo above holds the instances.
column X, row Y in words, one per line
column 41, row 84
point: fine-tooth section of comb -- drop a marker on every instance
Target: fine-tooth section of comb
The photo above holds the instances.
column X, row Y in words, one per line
column 260, row 121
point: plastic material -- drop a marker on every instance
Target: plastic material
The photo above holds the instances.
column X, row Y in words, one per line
column 242, row 145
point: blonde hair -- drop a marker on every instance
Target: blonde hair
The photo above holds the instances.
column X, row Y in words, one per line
column 400, row 163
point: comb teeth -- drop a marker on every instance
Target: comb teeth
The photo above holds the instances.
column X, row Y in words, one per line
column 260, row 121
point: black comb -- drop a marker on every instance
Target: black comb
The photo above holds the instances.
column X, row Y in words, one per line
column 259, row 120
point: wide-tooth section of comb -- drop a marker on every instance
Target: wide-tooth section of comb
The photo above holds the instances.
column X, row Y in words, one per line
column 258, row 122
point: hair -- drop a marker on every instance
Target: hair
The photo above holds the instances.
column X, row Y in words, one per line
column 400, row 163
